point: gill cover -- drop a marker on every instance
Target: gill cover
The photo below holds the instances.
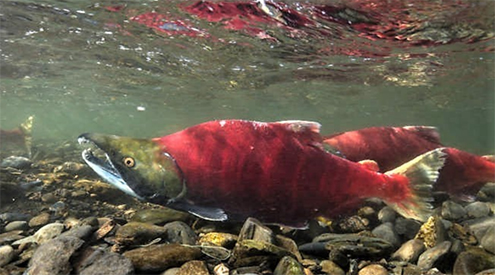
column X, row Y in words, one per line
column 138, row 167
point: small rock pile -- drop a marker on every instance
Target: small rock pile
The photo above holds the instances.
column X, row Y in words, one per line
column 56, row 217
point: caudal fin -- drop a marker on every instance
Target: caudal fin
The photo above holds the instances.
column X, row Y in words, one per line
column 422, row 173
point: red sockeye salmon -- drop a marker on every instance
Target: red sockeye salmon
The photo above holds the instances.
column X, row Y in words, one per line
column 462, row 175
column 276, row 172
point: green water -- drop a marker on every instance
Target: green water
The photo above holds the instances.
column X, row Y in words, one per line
column 84, row 69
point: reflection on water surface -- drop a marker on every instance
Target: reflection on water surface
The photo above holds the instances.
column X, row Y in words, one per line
column 146, row 68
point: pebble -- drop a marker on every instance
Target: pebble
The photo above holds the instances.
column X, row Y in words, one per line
column 157, row 258
column 432, row 232
column 373, row 269
column 43, row 234
column 160, row 216
column 453, row 211
column 179, row 232
column 16, row 162
column 83, row 232
column 39, row 220
column 480, row 226
column 49, row 198
column 14, row 216
column 16, row 225
column 193, row 268
column 7, row 253
column 221, row 269
column 107, row 263
column 406, row 228
column 288, row 266
column 477, row 209
column 11, row 236
column 428, row 258
column 488, row 240
column 331, row 268
column 472, row 261
column 409, row 251
column 218, row 238
column 387, row 232
column 136, row 233
column 53, row 256
column 386, row 214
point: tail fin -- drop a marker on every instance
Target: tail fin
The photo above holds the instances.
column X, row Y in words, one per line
column 422, row 173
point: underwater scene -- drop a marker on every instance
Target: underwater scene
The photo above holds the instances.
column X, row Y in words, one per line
column 231, row 137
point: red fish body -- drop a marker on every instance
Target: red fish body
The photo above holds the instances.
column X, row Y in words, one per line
column 462, row 175
column 276, row 172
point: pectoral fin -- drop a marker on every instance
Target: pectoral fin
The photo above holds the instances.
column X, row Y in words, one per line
column 206, row 213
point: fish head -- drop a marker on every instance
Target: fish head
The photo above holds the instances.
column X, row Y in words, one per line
column 138, row 167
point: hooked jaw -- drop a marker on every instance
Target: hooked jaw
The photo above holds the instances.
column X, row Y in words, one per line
column 103, row 166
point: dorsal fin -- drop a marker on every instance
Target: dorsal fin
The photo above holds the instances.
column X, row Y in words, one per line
column 429, row 133
column 302, row 125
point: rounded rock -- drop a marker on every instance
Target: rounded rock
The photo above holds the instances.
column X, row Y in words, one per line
column 472, row 261
column 477, row 209
column 16, row 225
column 409, row 251
column 488, row 240
column 428, row 258
column 108, row 263
column 7, row 253
column 39, row 220
column 387, row 232
column 331, row 268
column 453, row 211
column 288, row 266
column 160, row 216
column 179, row 232
column 373, row 269
column 193, row 268
column 386, row 214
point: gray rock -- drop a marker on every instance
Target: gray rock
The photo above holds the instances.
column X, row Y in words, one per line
column 428, row 259
column 80, row 231
column 52, row 257
column 288, row 266
column 136, row 233
column 17, row 225
column 477, row 209
column 107, row 263
column 373, row 269
column 387, row 232
column 160, row 216
column 157, row 258
column 16, row 162
column 11, row 236
column 193, row 268
column 14, row 216
column 480, row 226
column 252, row 229
column 453, row 211
column 409, row 251
column 7, row 253
column 407, row 228
column 43, row 234
column 386, row 214
column 179, row 232
column 472, row 261
column 488, row 240
column 487, row 192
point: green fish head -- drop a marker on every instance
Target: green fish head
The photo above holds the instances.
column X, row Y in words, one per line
column 139, row 167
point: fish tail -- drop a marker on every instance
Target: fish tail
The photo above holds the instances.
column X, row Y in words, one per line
column 422, row 172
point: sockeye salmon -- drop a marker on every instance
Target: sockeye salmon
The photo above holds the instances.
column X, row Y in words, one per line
column 276, row 172
column 462, row 175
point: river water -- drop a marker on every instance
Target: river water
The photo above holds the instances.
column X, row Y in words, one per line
column 95, row 66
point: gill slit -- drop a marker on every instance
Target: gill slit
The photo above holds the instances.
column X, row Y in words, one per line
column 181, row 174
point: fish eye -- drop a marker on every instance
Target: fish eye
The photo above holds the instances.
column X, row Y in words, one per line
column 129, row 162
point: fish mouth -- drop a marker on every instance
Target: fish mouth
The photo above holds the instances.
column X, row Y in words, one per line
column 101, row 163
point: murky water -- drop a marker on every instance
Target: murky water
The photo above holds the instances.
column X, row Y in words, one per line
column 86, row 66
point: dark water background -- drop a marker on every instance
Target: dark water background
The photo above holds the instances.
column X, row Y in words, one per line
column 79, row 67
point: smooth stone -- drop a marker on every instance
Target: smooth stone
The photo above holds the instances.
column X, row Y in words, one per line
column 13, row 216
column 453, row 211
column 16, row 225
column 386, row 214
column 74, row 168
column 136, row 233
column 10, row 192
column 480, row 226
column 46, row 233
column 17, row 162
column 352, row 224
column 39, row 220
column 387, row 232
column 288, row 266
column 331, row 268
column 7, row 253
column 487, row 192
column 221, row 269
column 477, row 209
column 80, row 231
column 160, row 216
column 373, row 269
column 409, row 251
column 289, row 245
column 107, row 263
column 404, row 268
column 53, row 256
column 488, row 240
column 428, row 258
column 472, row 261
column 157, row 258
column 171, row 271
column 49, row 198
column 11, row 236
column 252, row 229
column 490, row 271
column 193, row 268
column 218, row 238
column 252, row 252
column 407, row 228
column 179, row 232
